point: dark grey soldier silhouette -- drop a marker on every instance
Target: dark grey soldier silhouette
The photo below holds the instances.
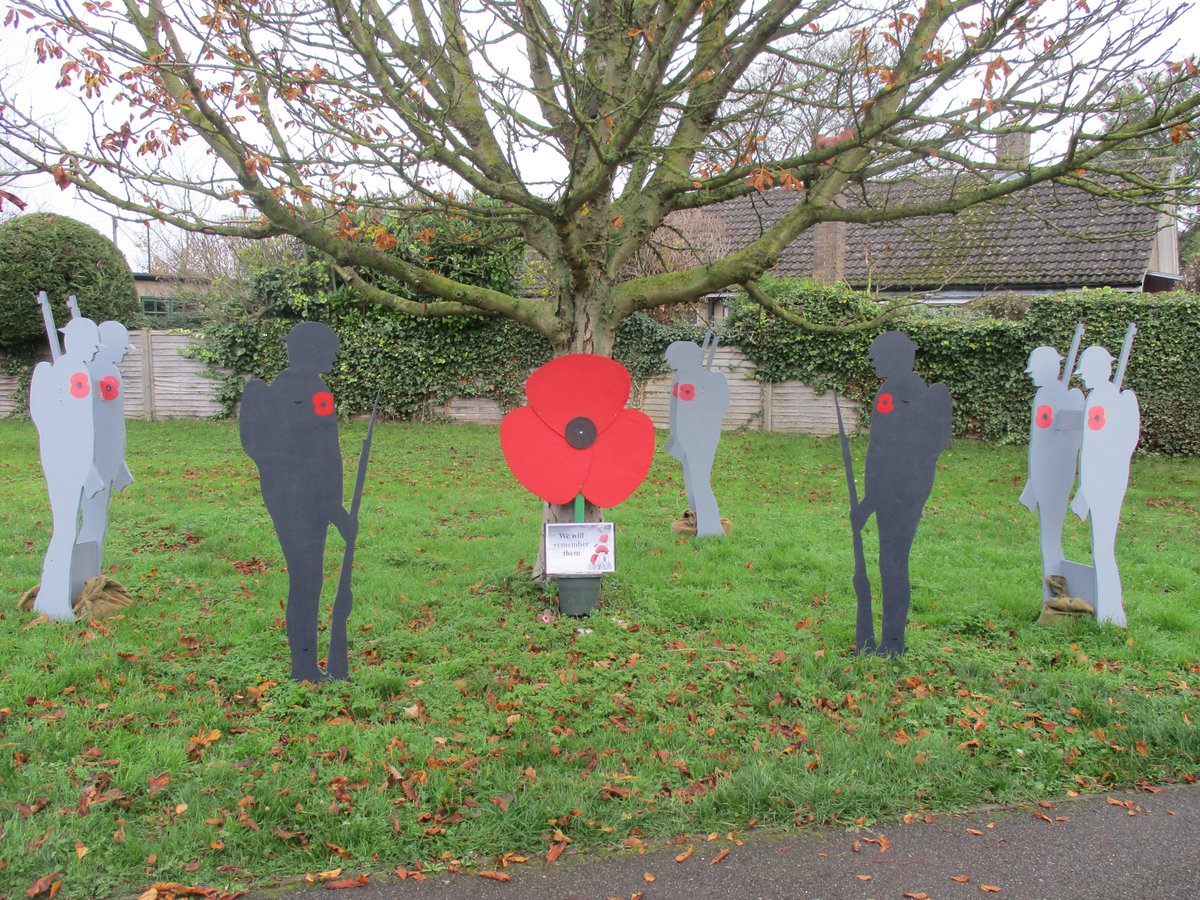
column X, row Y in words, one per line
column 699, row 398
column 1112, row 423
column 910, row 427
column 61, row 405
column 290, row 431
column 108, row 412
column 1055, row 436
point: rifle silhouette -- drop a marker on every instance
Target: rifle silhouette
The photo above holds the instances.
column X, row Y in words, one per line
column 337, row 663
column 708, row 350
column 51, row 329
column 1069, row 368
column 864, row 627
column 1123, row 362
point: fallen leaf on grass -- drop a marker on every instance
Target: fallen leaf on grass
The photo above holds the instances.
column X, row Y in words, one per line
column 45, row 885
column 348, row 883
column 686, row 853
column 28, row 809
column 158, row 782
column 80, row 850
column 720, row 856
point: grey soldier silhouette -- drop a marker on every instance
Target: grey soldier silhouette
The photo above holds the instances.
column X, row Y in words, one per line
column 62, row 408
column 1112, row 423
column 699, row 398
column 1055, row 436
column 289, row 429
column 910, row 427
column 108, row 405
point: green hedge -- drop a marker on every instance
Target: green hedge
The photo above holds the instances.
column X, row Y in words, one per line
column 416, row 363
column 61, row 256
column 978, row 351
column 981, row 357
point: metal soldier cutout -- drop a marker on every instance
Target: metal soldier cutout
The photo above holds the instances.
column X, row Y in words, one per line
column 62, row 408
column 108, row 415
column 699, row 398
column 1112, row 423
column 910, row 427
column 289, row 429
column 1055, row 436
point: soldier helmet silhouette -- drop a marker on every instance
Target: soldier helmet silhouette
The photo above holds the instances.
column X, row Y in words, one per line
column 114, row 340
column 1044, row 365
column 1095, row 366
column 81, row 336
column 893, row 353
column 313, row 343
column 684, row 353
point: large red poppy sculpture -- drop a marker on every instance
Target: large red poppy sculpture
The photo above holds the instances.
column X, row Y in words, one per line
column 576, row 436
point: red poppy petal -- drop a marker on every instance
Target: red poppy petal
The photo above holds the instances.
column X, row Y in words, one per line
column 622, row 457
column 541, row 459
column 580, row 384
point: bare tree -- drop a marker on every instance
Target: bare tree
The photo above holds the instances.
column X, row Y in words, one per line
column 588, row 122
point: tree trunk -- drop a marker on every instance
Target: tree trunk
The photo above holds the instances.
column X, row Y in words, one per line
column 593, row 318
column 593, row 331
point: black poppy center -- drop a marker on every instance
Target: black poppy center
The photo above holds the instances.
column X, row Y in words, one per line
column 581, row 432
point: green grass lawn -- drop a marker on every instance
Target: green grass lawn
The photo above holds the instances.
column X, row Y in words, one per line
column 715, row 690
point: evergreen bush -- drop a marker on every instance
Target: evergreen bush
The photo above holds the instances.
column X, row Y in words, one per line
column 61, row 256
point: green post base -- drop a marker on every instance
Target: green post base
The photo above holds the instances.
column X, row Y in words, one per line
column 578, row 595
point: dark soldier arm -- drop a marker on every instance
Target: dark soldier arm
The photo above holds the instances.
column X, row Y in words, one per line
column 862, row 512
column 346, row 524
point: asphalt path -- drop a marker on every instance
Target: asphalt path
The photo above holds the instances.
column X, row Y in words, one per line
column 1132, row 845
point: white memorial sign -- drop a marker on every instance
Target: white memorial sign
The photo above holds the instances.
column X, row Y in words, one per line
column 580, row 548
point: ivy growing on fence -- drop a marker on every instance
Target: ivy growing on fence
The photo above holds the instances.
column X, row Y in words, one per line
column 981, row 356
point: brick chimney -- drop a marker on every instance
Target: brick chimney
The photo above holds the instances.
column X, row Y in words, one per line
column 1012, row 150
column 829, row 252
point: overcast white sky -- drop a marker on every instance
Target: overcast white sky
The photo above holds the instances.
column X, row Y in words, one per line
column 18, row 67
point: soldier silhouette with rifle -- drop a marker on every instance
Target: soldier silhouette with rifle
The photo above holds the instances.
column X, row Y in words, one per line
column 289, row 428
column 910, row 427
column 1112, row 424
column 699, row 398
column 1055, row 437
column 108, row 403
column 62, row 408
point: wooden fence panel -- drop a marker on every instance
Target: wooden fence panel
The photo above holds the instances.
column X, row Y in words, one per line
column 161, row 383
column 157, row 380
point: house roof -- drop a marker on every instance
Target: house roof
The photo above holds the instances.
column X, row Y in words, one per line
column 1049, row 236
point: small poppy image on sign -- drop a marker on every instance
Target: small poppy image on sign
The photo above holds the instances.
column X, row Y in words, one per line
column 1096, row 418
column 685, row 391
column 79, row 385
column 110, row 387
column 323, row 403
column 1044, row 417
column 884, row 403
